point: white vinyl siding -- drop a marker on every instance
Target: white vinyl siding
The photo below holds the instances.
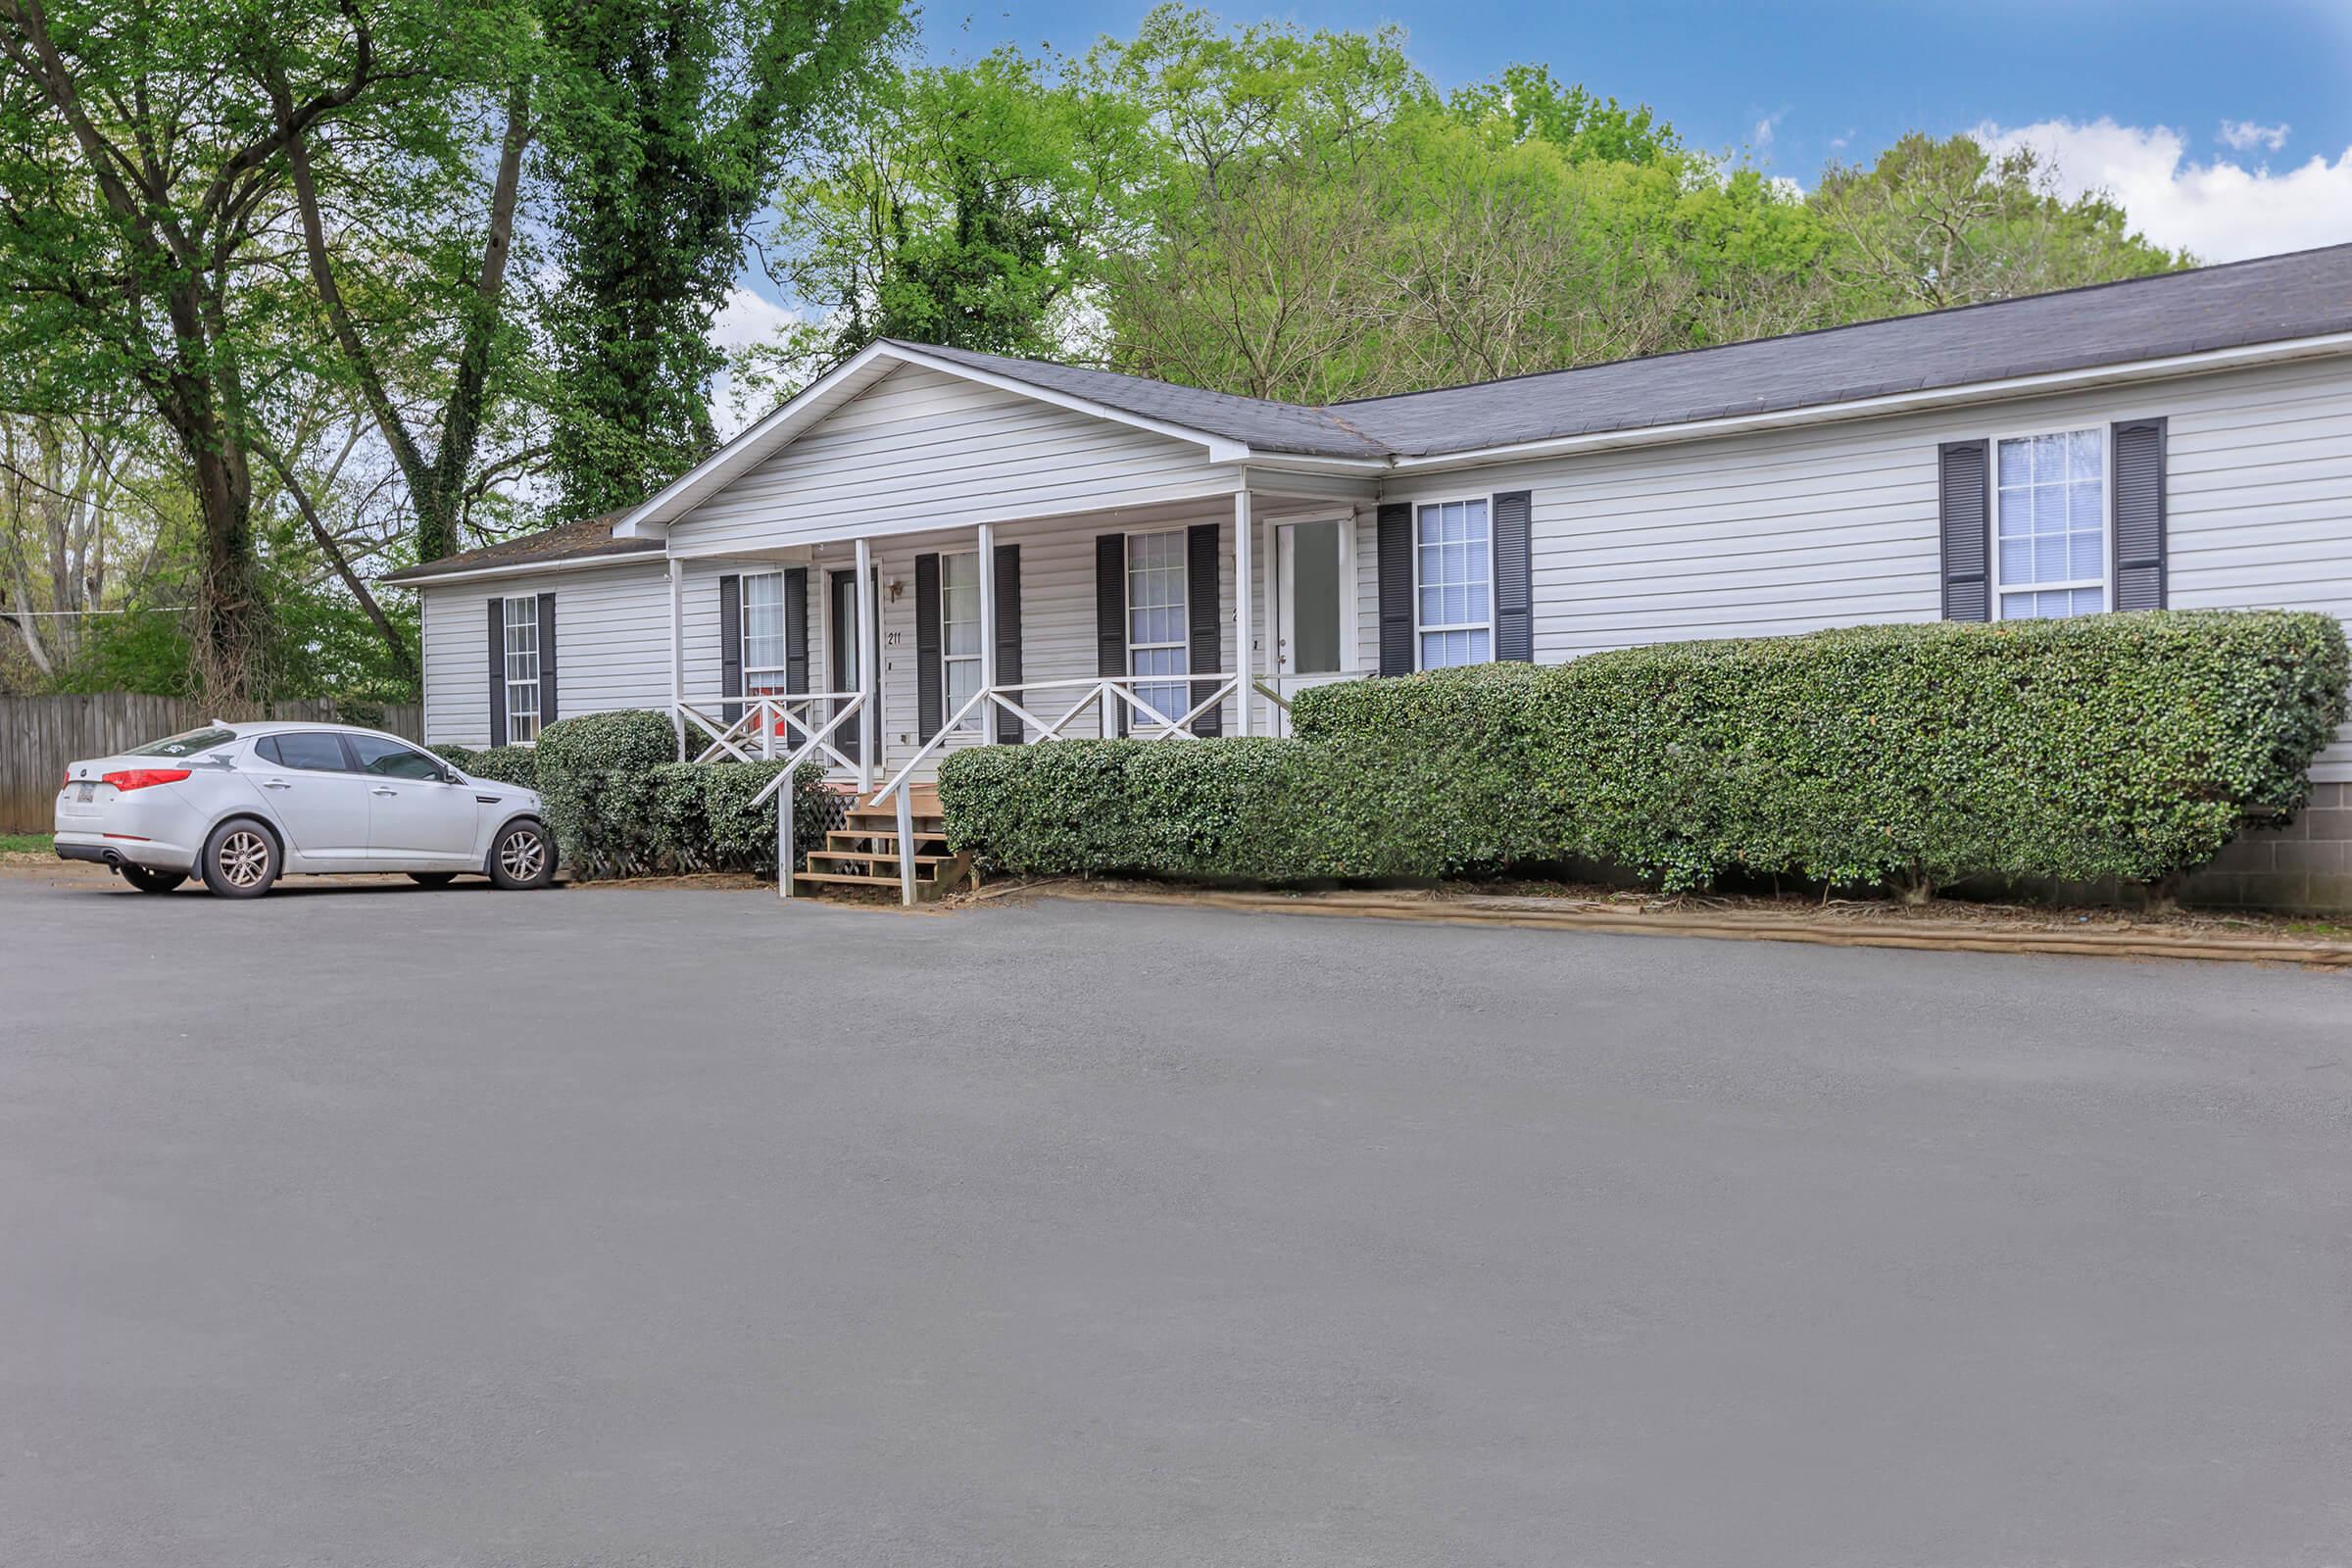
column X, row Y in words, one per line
column 612, row 635
column 920, row 450
column 959, row 634
column 523, row 669
column 2050, row 524
column 1835, row 525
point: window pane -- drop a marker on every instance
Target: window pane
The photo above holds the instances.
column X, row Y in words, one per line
column 391, row 759
column 763, row 622
column 318, row 753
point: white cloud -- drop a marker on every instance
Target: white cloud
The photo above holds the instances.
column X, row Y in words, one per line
column 2222, row 211
column 1766, row 126
column 744, row 319
column 747, row 318
column 2245, row 136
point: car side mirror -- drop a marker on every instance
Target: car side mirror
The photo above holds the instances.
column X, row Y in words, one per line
column 449, row 775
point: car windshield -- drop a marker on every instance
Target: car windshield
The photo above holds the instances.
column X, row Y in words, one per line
column 188, row 745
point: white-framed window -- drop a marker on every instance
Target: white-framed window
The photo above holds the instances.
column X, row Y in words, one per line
column 1157, row 642
column 763, row 634
column 522, row 669
column 959, row 632
column 2049, row 509
column 1453, row 582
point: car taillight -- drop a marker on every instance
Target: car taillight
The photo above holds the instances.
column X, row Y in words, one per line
column 138, row 778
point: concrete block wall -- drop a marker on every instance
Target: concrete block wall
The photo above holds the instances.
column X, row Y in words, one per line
column 2304, row 865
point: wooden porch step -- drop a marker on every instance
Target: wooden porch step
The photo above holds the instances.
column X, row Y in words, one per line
column 888, row 819
column 871, row 858
column 847, row 839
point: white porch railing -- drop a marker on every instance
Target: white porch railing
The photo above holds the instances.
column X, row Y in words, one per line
column 771, row 725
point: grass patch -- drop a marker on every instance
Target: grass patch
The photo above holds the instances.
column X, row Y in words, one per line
column 27, row 843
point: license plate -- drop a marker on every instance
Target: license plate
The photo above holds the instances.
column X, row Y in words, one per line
column 85, row 793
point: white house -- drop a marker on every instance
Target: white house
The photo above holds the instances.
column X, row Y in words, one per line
column 1028, row 549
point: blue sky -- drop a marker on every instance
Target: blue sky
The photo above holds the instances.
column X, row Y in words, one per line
column 1834, row 69
column 2224, row 125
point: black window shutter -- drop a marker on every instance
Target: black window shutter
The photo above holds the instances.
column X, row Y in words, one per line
column 1204, row 614
column 730, row 644
column 1514, row 577
column 1964, row 507
column 1111, row 614
column 549, row 712
column 930, row 679
column 497, row 670
column 1009, row 636
column 2139, row 514
column 796, row 629
column 1396, row 550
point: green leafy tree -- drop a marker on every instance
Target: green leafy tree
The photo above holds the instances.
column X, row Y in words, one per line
column 146, row 155
column 670, row 126
column 1936, row 223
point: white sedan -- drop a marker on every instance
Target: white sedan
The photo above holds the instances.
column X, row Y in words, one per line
column 242, row 804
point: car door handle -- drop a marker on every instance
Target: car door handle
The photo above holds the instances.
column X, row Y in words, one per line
column 380, row 790
column 278, row 784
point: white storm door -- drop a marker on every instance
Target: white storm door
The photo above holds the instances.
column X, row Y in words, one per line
column 1313, row 616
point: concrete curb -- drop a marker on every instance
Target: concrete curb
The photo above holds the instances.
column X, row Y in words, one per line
column 1950, row 937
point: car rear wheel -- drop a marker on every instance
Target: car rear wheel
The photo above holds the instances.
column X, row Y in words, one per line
column 147, row 880
column 240, row 859
column 522, row 858
column 432, row 879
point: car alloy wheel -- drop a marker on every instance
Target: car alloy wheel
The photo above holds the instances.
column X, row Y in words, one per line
column 243, row 857
column 521, row 856
column 239, row 859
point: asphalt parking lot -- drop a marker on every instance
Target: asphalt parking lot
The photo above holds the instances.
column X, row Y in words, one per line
column 371, row 1225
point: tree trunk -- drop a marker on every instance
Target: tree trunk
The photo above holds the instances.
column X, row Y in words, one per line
column 231, row 625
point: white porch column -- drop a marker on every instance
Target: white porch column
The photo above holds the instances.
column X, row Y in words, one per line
column 1244, row 700
column 869, row 673
column 677, row 651
column 988, row 624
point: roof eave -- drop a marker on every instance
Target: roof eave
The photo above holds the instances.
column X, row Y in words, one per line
column 408, row 578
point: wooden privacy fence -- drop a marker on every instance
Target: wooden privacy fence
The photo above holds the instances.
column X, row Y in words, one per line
column 40, row 735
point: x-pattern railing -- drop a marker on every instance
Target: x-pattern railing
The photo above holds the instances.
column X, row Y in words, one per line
column 772, row 719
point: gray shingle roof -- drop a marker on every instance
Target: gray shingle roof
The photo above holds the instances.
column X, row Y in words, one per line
column 568, row 541
column 2269, row 299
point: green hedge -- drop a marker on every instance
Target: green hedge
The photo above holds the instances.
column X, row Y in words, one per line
column 501, row 765
column 1255, row 811
column 621, row 804
column 2127, row 746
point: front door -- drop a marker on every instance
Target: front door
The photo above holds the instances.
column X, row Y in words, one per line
column 844, row 671
column 1310, row 603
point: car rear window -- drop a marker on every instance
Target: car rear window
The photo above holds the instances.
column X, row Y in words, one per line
column 188, row 745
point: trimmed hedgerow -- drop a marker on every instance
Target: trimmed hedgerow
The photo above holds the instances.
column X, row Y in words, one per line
column 707, row 820
column 2125, row 745
column 621, row 804
column 501, row 765
column 597, row 781
column 1251, row 810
